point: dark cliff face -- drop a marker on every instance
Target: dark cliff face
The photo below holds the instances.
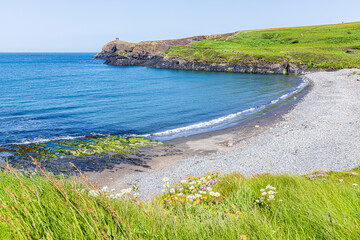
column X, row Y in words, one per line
column 151, row 54
column 161, row 61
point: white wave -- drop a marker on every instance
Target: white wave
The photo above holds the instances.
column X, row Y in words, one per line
column 201, row 124
column 44, row 140
column 229, row 117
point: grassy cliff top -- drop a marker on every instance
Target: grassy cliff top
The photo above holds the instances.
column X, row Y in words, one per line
column 322, row 46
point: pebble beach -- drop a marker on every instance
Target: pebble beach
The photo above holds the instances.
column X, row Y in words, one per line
column 320, row 132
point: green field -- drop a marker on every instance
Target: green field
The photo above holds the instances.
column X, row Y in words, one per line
column 313, row 47
column 323, row 205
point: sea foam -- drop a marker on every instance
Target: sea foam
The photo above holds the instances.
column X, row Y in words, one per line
column 223, row 121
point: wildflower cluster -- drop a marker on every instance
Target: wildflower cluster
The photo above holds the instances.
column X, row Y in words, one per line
column 318, row 173
column 267, row 195
column 192, row 190
column 111, row 193
column 257, row 175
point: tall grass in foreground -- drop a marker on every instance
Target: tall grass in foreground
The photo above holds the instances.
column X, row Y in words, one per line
column 320, row 206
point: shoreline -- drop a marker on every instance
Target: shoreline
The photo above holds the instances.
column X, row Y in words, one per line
column 318, row 132
column 200, row 144
column 225, row 139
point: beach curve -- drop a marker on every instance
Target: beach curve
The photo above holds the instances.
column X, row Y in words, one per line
column 320, row 132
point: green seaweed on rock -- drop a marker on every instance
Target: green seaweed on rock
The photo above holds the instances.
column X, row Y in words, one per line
column 90, row 146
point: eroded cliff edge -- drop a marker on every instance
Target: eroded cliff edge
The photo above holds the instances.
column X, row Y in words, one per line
column 153, row 54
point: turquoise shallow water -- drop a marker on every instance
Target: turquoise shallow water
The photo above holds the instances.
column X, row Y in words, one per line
column 46, row 96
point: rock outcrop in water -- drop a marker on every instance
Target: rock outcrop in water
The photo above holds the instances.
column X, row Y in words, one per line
column 151, row 54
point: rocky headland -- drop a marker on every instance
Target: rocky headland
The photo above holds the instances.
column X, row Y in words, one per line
column 152, row 54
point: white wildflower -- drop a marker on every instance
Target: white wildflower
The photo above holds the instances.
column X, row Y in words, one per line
column 165, row 179
column 105, row 189
column 217, row 194
column 172, row 190
column 190, row 197
column 93, row 193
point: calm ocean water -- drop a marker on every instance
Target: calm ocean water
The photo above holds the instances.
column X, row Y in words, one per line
column 46, row 96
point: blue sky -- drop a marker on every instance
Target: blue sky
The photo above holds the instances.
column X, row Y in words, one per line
column 86, row 25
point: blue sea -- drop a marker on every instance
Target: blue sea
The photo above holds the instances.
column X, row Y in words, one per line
column 47, row 96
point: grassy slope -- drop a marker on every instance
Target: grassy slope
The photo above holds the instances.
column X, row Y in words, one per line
column 320, row 47
column 35, row 206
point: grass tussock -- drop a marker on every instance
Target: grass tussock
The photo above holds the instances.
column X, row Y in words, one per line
column 323, row 47
column 323, row 205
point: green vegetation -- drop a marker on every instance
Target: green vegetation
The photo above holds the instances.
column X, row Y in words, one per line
column 91, row 146
column 323, row 205
column 307, row 47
